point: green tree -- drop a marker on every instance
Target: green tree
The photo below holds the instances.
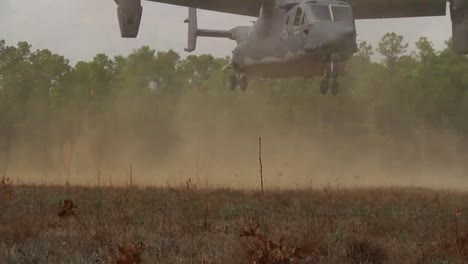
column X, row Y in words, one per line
column 137, row 108
column 391, row 47
column 425, row 50
column 365, row 50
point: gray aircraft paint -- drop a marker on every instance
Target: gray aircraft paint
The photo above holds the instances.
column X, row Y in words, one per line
column 322, row 46
column 273, row 48
column 284, row 50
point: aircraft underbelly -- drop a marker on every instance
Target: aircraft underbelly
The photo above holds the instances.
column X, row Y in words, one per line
column 300, row 66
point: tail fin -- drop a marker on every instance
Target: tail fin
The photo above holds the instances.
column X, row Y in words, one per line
column 194, row 32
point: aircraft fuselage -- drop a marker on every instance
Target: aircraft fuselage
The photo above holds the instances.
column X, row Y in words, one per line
column 297, row 40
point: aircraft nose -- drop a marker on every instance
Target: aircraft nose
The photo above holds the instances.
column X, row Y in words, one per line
column 339, row 35
column 330, row 35
column 349, row 33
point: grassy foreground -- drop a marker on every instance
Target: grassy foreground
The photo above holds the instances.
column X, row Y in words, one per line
column 189, row 225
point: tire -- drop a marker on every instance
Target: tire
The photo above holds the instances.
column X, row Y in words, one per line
column 243, row 83
column 324, row 87
column 232, row 82
column 335, row 86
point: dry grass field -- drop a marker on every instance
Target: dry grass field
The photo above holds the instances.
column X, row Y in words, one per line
column 66, row 224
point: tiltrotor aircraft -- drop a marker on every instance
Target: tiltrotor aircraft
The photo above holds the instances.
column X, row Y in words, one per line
column 297, row 38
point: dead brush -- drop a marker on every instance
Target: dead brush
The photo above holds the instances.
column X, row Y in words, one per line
column 462, row 245
column 262, row 250
column 66, row 209
column 129, row 253
column 461, row 241
column 458, row 247
column 16, row 231
column 7, row 192
column 363, row 251
column 190, row 186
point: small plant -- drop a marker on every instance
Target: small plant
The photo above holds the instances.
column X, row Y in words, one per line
column 190, row 189
column 66, row 209
column 6, row 189
column 129, row 253
column 455, row 217
column 266, row 251
column 189, row 185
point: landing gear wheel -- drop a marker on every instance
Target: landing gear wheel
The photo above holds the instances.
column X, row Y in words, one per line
column 335, row 86
column 243, row 83
column 324, row 87
column 331, row 74
column 232, row 82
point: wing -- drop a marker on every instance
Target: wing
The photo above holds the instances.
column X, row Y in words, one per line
column 368, row 9
column 363, row 9
column 239, row 7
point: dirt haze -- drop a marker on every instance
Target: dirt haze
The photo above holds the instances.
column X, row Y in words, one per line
column 216, row 145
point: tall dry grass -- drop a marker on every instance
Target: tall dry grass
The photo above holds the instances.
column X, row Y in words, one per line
column 193, row 225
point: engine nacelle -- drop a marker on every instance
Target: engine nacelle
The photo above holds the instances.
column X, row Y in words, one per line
column 459, row 14
column 129, row 13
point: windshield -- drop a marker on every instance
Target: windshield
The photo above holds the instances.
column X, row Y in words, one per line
column 322, row 12
column 319, row 12
column 342, row 13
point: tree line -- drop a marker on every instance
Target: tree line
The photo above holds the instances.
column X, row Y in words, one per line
column 139, row 107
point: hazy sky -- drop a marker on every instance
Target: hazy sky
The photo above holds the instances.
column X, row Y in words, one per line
column 79, row 29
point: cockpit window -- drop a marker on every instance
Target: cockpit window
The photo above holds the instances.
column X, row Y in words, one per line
column 304, row 20
column 342, row 13
column 320, row 12
column 298, row 17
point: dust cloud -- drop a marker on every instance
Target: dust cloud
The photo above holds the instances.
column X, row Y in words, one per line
column 290, row 159
column 217, row 145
